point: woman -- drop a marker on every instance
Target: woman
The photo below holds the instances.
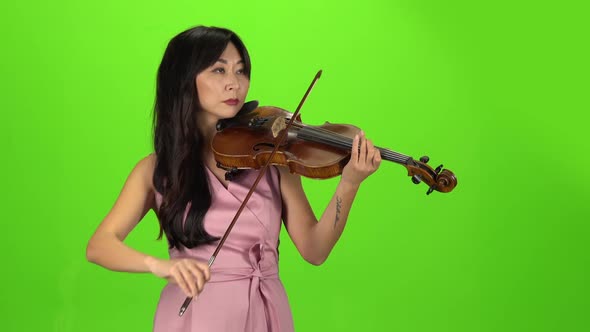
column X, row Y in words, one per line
column 204, row 77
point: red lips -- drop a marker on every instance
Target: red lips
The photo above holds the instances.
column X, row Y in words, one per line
column 232, row 102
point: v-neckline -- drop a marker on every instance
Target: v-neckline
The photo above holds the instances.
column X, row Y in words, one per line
column 221, row 183
column 237, row 193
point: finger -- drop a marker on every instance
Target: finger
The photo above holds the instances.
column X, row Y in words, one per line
column 371, row 151
column 189, row 280
column 377, row 159
column 363, row 152
column 198, row 275
column 181, row 283
column 354, row 156
column 205, row 269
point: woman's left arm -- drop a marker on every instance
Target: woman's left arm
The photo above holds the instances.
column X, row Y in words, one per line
column 315, row 239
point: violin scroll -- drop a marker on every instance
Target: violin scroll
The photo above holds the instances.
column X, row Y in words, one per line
column 438, row 179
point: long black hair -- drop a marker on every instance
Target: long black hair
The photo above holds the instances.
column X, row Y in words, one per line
column 180, row 174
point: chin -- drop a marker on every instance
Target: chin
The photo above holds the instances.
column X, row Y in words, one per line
column 226, row 115
column 234, row 110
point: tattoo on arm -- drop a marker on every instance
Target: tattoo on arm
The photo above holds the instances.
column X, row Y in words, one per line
column 338, row 205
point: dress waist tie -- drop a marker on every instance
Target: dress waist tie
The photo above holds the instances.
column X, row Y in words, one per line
column 257, row 320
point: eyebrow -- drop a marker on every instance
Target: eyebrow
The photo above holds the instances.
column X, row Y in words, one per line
column 222, row 60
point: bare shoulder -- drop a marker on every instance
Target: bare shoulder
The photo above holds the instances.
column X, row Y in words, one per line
column 134, row 201
column 145, row 170
column 140, row 185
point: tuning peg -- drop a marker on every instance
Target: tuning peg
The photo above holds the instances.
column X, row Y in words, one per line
column 424, row 159
column 430, row 190
column 438, row 169
column 416, row 179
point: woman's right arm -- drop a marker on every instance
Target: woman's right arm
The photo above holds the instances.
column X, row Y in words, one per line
column 106, row 247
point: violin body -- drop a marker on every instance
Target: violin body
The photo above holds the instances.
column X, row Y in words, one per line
column 248, row 140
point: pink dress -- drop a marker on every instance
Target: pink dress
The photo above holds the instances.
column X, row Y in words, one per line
column 245, row 292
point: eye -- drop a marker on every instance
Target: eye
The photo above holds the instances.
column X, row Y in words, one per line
column 240, row 71
column 219, row 70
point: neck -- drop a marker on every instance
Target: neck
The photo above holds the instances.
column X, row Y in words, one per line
column 206, row 125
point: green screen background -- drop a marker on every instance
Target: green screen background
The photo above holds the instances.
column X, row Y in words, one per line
column 495, row 91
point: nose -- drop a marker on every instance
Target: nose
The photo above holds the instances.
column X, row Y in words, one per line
column 232, row 82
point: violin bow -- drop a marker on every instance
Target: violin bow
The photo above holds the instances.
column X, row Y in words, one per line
column 281, row 138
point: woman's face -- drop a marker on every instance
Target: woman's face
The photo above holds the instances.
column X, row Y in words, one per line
column 222, row 88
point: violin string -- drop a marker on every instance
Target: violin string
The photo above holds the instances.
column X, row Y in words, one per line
column 342, row 142
column 322, row 135
column 348, row 140
column 345, row 144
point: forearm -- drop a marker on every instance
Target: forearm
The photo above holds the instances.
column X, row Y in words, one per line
column 331, row 224
column 108, row 251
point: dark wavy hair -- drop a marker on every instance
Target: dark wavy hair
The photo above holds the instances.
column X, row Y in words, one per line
column 180, row 174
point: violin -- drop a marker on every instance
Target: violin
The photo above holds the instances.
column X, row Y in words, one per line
column 247, row 140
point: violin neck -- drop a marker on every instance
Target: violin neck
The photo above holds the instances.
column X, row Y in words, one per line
column 394, row 156
column 336, row 140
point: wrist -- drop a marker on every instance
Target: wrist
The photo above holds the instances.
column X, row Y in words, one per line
column 151, row 263
column 347, row 185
